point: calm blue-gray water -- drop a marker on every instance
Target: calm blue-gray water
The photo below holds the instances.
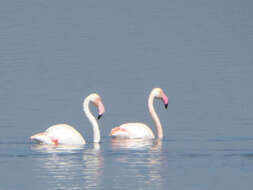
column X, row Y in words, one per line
column 53, row 53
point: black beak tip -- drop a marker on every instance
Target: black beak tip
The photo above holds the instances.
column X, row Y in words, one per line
column 166, row 106
column 99, row 116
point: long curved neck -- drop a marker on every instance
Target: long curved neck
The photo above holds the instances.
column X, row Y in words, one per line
column 92, row 119
column 155, row 116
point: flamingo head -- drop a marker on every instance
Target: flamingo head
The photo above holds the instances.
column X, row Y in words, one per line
column 158, row 93
column 97, row 101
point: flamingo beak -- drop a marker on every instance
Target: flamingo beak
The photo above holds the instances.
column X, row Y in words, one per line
column 165, row 100
column 101, row 109
column 99, row 116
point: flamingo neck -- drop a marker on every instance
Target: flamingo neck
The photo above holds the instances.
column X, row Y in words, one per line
column 92, row 119
column 155, row 117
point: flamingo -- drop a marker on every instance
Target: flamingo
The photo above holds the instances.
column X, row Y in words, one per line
column 64, row 134
column 141, row 130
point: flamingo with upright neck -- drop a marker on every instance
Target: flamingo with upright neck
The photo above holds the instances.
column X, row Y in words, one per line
column 141, row 130
column 64, row 134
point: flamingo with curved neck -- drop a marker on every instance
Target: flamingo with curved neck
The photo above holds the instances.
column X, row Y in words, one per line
column 141, row 130
column 64, row 134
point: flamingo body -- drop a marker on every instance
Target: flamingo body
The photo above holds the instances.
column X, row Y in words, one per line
column 59, row 134
column 132, row 131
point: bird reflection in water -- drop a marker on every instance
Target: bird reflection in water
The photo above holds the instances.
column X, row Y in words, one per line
column 141, row 159
column 70, row 167
column 136, row 143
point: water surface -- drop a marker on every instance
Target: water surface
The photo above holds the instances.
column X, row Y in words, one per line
column 54, row 53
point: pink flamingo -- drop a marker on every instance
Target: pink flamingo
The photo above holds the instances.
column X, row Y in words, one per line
column 141, row 130
column 64, row 134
